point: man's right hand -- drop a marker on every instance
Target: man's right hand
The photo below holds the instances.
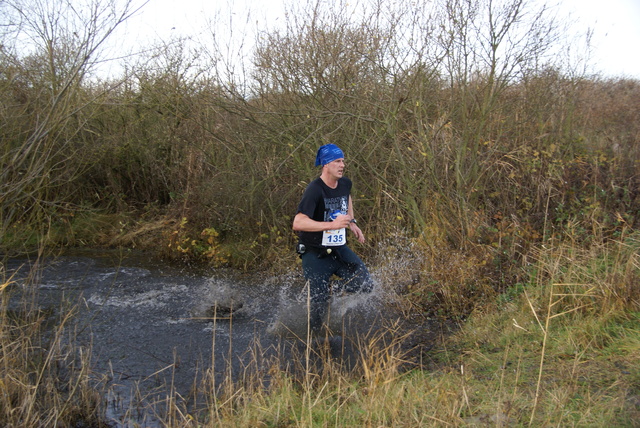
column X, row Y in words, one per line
column 341, row 221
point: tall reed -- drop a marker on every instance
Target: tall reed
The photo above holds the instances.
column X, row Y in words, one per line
column 46, row 378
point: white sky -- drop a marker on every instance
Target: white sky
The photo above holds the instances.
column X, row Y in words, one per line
column 616, row 39
column 616, row 25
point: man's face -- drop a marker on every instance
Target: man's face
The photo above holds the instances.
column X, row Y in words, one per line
column 336, row 168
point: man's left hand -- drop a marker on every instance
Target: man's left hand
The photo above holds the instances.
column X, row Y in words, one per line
column 356, row 231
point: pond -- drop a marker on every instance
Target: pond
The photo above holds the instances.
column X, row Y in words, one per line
column 155, row 329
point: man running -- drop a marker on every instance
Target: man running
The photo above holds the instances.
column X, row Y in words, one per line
column 323, row 217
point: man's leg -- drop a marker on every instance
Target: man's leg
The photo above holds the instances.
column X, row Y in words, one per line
column 317, row 272
column 354, row 273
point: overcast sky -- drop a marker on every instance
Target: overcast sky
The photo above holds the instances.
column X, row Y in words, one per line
column 615, row 23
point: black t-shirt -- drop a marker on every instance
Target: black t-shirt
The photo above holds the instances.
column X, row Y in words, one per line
column 322, row 203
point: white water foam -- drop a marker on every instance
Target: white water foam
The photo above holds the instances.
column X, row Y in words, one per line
column 153, row 298
column 346, row 312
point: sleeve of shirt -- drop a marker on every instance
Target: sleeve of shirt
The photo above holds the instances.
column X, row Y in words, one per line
column 310, row 200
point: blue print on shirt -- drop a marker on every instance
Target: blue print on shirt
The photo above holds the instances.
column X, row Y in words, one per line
column 333, row 207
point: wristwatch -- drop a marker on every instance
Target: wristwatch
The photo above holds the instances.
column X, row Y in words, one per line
column 353, row 220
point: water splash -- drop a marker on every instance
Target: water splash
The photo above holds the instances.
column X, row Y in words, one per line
column 347, row 314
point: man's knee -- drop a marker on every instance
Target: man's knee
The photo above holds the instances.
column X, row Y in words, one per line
column 361, row 282
column 318, row 289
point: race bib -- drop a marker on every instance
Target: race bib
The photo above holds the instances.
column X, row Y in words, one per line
column 333, row 238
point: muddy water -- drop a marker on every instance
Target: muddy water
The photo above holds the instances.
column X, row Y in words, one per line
column 155, row 329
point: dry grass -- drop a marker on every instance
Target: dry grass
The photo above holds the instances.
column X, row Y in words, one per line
column 45, row 379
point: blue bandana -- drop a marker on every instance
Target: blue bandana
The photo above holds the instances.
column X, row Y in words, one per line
column 328, row 153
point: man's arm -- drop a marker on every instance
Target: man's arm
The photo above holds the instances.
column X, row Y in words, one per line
column 303, row 223
column 352, row 225
column 350, row 212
